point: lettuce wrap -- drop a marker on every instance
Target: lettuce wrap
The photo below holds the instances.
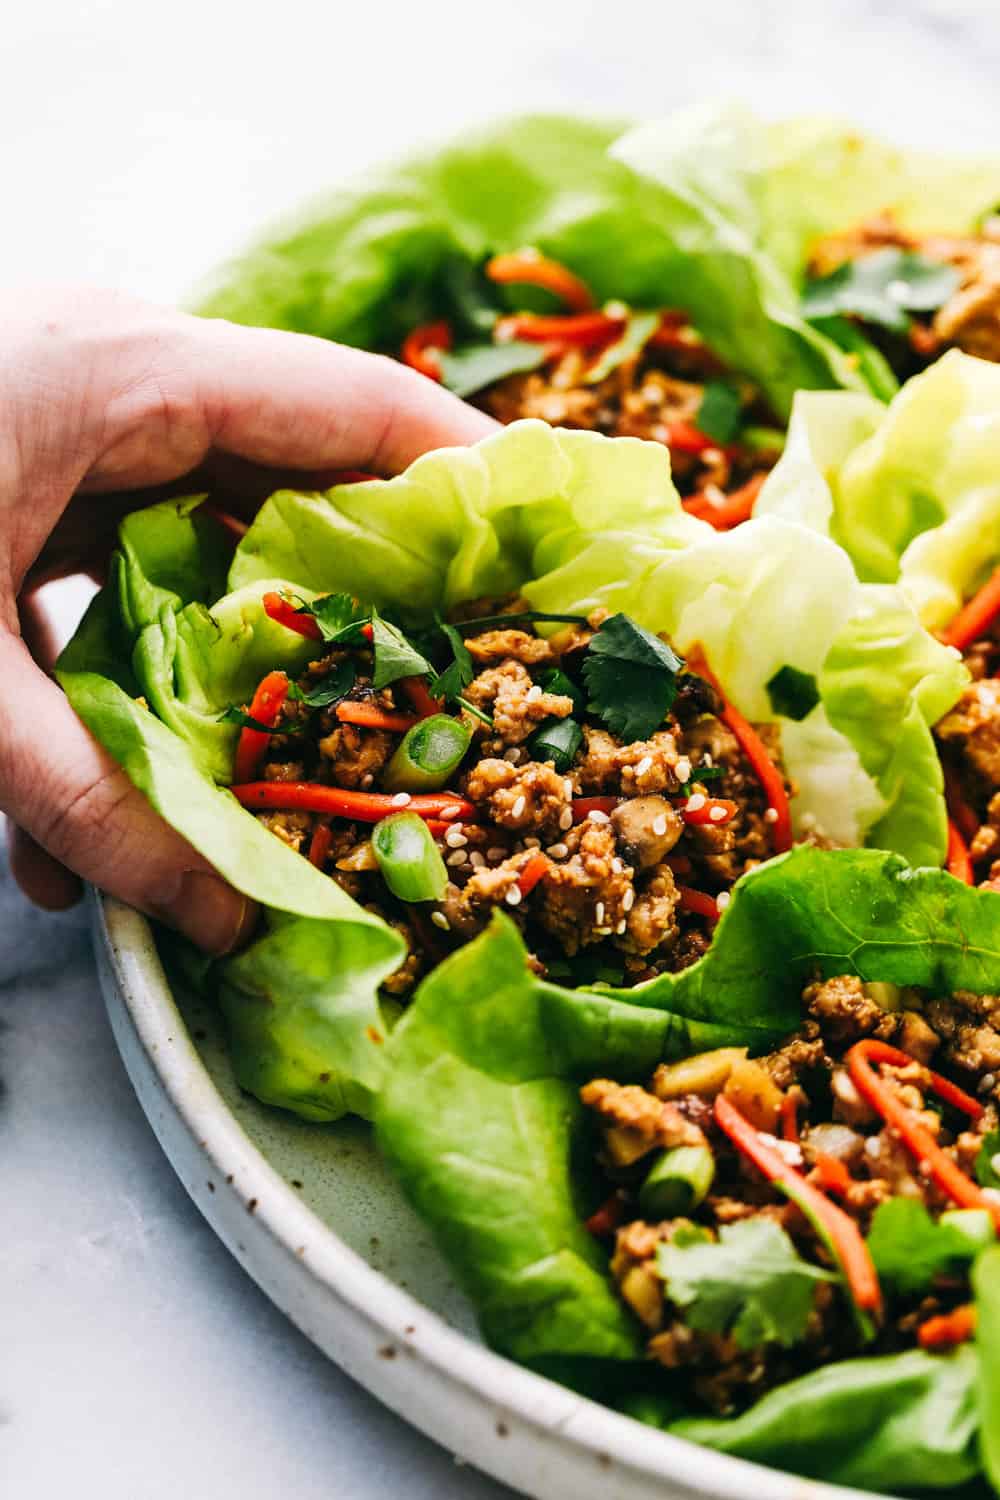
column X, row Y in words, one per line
column 573, row 520
column 481, row 1121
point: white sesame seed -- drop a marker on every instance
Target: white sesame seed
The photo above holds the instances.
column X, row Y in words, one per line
column 644, row 765
column 873, row 1146
column 628, row 900
column 682, row 770
column 557, row 851
column 455, row 838
column 616, row 865
column 622, row 927
column 449, row 814
column 513, row 896
column 718, row 814
column 476, row 860
column 695, row 801
column 458, row 858
column 402, row 799
column 707, row 760
column 532, row 843
column 660, row 825
column 596, row 816
column 986, row 1083
column 566, row 818
column 567, row 786
column 599, row 913
column 495, row 853
column 533, row 694
column 722, row 900
column 513, row 755
column 615, row 309
column 771, row 816
column 440, row 920
column 517, row 811
column 367, row 780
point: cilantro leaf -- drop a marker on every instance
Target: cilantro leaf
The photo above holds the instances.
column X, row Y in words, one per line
column 793, row 694
column 247, row 721
column 475, row 366
column 338, row 616
column 987, row 1160
column 751, row 1282
column 720, row 412
column 330, row 689
column 910, row 1248
column 639, row 327
column 631, row 677
column 395, row 657
column 456, row 676
column 882, row 288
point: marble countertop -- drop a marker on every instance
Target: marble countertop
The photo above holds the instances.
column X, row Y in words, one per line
column 139, row 145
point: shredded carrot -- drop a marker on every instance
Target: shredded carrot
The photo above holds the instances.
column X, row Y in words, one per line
column 932, row 1161
column 579, row 330
column 790, row 1116
column 698, row 903
column 957, row 861
column 267, row 703
column 736, row 508
column 423, row 347
column 532, row 873
column 584, row 806
column 843, row 1234
column 350, row 711
column 284, row 612
column 605, row 1220
column 832, row 1174
column 416, row 690
column 960, row 812
column 319, row 844
column 528, row 268
column 948, row 1329
column 974, row 618
column 755, row 750
column 363, row 807
column 713, row 811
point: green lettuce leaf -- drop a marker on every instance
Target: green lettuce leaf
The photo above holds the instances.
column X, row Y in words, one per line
column 986, row 1285
column 910, row 1248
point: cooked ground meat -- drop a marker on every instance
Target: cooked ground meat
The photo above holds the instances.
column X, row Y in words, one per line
column 356, row 755
column 517, row 704
column 497, row 645
column 587, row 895
column 520, row 799
column 652, row 920
column 972, row 729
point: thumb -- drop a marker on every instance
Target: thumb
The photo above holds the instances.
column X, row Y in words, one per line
column 74, row 801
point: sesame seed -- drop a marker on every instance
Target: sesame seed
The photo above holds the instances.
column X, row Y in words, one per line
column 615, row 309
column 476, row 860
column 532, row 843
column 622, row 926
column 771, row 815
column 660, row 825
column 616, row 865
column 449, row 814
column 682, row 770
column 986, row 1083
column 401, row 799
column 599, row 913
column 513, row 755
column 440, row 920
column 517, row 811
column 533, row 694
column 557, row 851
column 722, row 900
column 644, row 765
column 455, row 838
column 707, row 760
column 566, row 818
column 567, row 786
column 495, row 853
column 458, row 858
column 695, row 801
column 717, row 814
column 513, row 896
column 367, row 780
column 596, row 816
column 872, row 1146
column 628, row 900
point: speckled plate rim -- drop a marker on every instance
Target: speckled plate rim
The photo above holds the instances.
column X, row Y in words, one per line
column 517, row 1426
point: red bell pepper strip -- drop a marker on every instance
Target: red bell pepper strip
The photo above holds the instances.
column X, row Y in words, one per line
column 931, row 1159
column 268, row 701
column 416, row 690
column 605, row 1220
column 832, row 1174
column 284, row 612
column 733, row 511
column 974, row 618
column 957, row 861
column 687, row 438
column 790, row 1117
column 948, row 1330
column 423, row 346
column 711, row 811
column 579, row 330
column 754, row 749
column 959, row 811
column 351, row 711
column 529, row 268
column 319, row 844
column 837, row 1229
column 698, row 902
column 361, row 807
column 532, row 873
column 584, row 806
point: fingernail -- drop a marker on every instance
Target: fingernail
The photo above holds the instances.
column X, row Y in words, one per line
column 209, row 912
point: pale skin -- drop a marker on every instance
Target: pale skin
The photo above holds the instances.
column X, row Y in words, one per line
column 102, row 398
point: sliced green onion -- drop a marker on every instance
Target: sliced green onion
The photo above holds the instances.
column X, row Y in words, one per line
column 557, row 740
column 408, row 858
column 678, row 1182
column 428, row 755
column 554, row 680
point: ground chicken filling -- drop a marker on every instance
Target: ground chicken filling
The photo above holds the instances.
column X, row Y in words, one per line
column 803, row 1103
column 968, row 740
column 615, row 865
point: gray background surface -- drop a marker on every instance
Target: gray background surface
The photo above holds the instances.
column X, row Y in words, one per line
column 138, row 145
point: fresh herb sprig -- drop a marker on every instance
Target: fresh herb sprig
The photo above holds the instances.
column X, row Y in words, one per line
column 631, row 676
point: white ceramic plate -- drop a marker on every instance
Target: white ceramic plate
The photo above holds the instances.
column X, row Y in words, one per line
column 312, row 1215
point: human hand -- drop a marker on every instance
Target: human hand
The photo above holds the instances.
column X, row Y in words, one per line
column 101, row 395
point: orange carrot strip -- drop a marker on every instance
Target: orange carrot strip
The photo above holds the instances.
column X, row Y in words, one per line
column 713, row 811
column 285, row 613
column 698, row 903
column 319, row 844
column 350, row 711
column 733, row 511
column 416, row 690
column 948, row 1329
column 957, row 861
column 833, row 1175
column 423, row 346
column 975, row 617
column 528, row 268
column 267, row 703
column 581, row 330
column 532, row 873
column 362, row 807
